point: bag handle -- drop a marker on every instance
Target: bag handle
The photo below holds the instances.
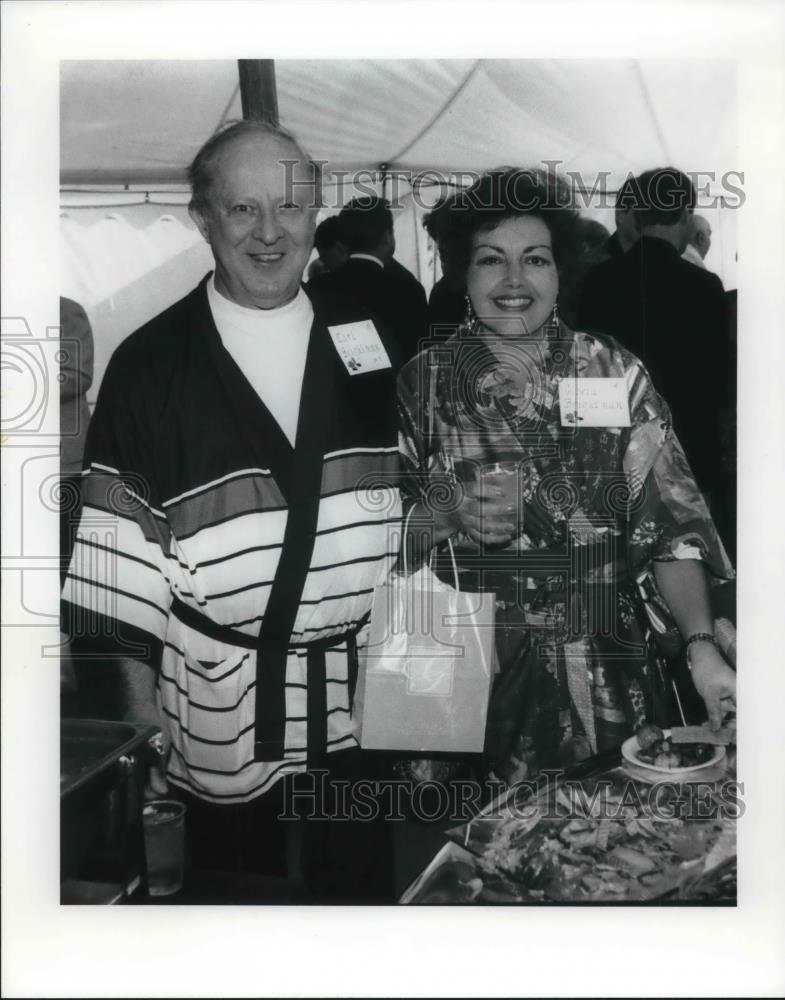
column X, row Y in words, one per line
column 430, row 558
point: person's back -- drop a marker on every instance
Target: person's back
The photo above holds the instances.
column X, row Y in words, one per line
column 673, row 316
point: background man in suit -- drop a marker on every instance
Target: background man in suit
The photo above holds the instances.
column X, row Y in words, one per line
column 373, row 278
column 672, row 315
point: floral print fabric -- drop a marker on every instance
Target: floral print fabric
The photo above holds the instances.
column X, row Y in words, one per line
column 577, row 603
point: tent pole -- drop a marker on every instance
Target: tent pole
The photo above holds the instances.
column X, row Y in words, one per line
column 258, row 92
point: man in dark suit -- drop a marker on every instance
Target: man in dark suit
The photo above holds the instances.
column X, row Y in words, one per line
column 374, row 279
column 672, row 315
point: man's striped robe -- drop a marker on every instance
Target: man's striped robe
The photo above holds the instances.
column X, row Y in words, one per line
column 238, row 567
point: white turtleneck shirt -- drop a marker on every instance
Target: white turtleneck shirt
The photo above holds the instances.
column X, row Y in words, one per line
column 270, row 347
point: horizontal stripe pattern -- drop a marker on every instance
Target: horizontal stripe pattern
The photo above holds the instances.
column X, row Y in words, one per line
column 118, row 574
column 217, row 547
column 108, row 498
column 209, row 703
column 224, row 501
column 361, row 469
column 206, row 487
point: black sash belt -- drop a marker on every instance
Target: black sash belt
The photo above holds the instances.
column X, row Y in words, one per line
column 332, row 405
column 317, row 672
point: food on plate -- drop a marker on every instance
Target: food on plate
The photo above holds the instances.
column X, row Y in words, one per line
column 648, row 734
column 606, row 849
column 632, row 860
column 654, row 747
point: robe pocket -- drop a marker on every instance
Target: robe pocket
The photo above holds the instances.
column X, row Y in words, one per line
column 216, row 684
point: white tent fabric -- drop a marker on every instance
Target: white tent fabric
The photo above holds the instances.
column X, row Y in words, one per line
column 127, row 254
column 136, row 121
column 124, row 274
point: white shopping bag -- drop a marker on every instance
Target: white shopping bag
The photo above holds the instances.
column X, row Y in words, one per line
column 428, row 667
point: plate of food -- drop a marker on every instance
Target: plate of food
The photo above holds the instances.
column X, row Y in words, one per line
column 601, row 840
column 653, row 750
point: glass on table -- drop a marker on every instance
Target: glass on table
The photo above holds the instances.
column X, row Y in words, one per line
column 164, row 841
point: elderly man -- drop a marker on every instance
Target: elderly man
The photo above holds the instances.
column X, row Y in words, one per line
column 234, row 528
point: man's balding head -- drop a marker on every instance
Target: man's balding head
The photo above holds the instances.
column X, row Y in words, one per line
column 201, row 170
column 254, row 201
column 700, row 234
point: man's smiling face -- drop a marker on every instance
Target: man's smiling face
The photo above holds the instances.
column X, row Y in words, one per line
column 259, row 225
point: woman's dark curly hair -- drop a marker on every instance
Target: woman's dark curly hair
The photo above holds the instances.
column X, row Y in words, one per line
column 507, row 193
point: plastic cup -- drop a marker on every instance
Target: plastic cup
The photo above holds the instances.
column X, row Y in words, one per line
column 164, row 842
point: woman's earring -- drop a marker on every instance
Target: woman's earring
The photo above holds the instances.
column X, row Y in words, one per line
column 552, row 326
column 469, row 315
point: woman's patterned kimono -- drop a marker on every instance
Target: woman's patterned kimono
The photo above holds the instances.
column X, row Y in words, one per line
column 577, row 603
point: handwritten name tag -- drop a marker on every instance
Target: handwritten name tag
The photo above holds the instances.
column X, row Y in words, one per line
column 594, row 402
column 359, row 347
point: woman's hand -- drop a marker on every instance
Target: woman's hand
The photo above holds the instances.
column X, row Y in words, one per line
column 714, row 681
column 487, row 519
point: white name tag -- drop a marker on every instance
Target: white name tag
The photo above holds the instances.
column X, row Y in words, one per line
column 594, row 402
column 359, row 347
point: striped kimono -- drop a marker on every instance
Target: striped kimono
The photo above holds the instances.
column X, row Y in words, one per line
column 241, row 569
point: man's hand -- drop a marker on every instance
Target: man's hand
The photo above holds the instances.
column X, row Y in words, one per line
column 141, row 708
column 156, row 786
column 714, row 681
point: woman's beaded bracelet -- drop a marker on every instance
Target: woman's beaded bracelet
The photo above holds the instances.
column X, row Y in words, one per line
column 700, row 637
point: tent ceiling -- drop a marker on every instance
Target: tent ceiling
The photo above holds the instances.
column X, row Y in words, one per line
column 141, row 122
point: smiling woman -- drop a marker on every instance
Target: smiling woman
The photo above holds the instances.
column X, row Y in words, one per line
column 567, row 492
column 255, row 203
column 512, row 280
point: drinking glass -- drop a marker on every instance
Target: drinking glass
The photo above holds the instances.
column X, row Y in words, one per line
column 164, row 841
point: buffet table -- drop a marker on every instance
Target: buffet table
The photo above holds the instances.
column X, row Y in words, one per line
column 596, row 834
column 601, row 832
